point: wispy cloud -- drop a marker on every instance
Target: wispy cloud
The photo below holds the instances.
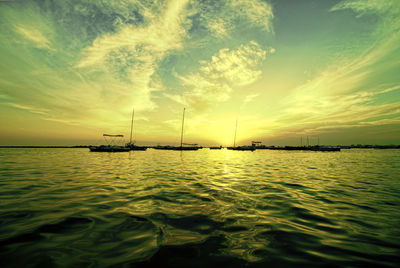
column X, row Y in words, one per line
column 221, row 18
column 318, row 106
column 31, row 109
column 219, row 28
column 249, row 98
column 132, row 54
column 146, row 44
column 4, row 97
column 351, row 92
column 217, row 77
column 258, row 12
column 33, row 34
column 363, row 7
column 236, row 67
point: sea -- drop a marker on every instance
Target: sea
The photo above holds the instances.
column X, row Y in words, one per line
column 208, row 208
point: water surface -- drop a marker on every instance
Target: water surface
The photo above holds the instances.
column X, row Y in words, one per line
column 72, row 207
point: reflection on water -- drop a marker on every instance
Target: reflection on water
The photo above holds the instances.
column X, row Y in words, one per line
column 70, row 207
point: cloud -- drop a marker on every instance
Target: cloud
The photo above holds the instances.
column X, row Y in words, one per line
column 387, row 11
column 370, row 6
column 146, row 44
column 34, row 35
column 217, row 77
column 258, row 12
column 99, row 71
column 31, row 109
column 5, row 97
column 32, row 28
column 203, row 94
column 381, row 122
column 353, row 92
column 132, row 54
column 221, row 18
column 107, row 56
column 218, row 27
column 250, row 98
column 236, row 67
column 340, row 109
column 316, row 106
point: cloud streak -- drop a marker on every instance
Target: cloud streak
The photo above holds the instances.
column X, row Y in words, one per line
column 34, row 35
column 216, row 78
column 353, row 92
column 221, row 18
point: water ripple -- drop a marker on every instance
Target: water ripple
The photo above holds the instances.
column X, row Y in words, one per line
column 70, row 207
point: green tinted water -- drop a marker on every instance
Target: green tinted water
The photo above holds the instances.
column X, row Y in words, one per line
column 71, row 207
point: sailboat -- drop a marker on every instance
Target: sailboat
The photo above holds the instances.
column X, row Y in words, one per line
column 191, row 147
column 131, row 145
column 240, row 148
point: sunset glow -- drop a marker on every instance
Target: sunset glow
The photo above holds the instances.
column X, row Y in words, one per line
column 72, row 70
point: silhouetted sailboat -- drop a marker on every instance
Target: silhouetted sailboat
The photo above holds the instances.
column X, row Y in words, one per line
column 131, row 145
column 192, row 147
column 240, row 148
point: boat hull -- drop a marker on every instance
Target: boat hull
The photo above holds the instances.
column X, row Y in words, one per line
column 326, row 149
column 136, row 148
column 242, row 148
column 186, row 148
column 304, row 148
column 111, row 149
column 173, row 148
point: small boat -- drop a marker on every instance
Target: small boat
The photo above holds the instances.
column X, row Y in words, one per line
column 131, row 145
column 258, row 145
column 215, row 147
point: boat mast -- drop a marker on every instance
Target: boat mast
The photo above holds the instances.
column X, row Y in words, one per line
column 234, row 139
column 133, row 112
column 183, row 120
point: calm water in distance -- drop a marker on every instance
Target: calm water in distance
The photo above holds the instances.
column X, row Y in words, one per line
column 215, row 208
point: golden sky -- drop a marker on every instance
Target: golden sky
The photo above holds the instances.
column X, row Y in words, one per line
column 326, row 69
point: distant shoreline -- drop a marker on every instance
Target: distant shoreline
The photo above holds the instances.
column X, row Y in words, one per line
column 38, row 146
column 358, row 146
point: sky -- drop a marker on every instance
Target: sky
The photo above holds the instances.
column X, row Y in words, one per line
column 284, row 69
